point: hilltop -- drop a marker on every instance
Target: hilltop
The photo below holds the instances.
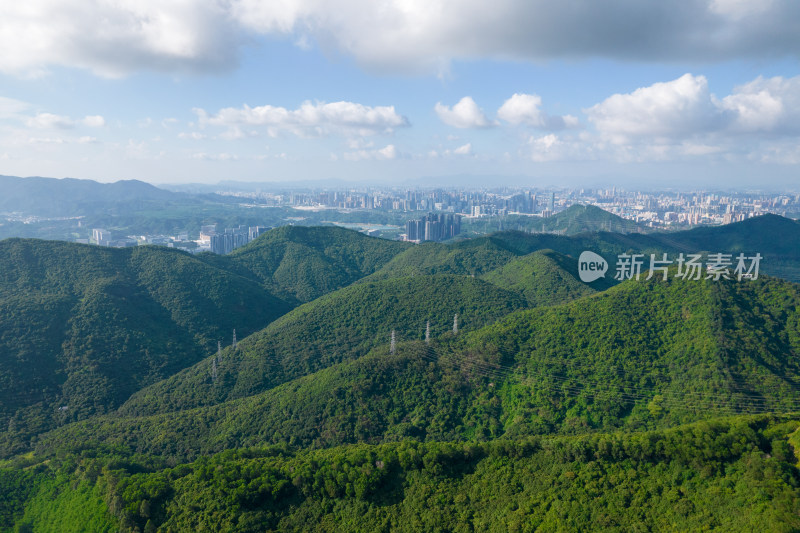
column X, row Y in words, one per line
column 544, row 277
column 340, row 326
column 83, row 327
column 580, row 218
column 70, row 197
column 304, row 263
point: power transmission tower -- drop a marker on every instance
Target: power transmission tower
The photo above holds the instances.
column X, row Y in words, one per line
column 455, row 324
column 219, row 352
column 234, row 339
column 428, row 332
column 214, row 370
column 393, row 345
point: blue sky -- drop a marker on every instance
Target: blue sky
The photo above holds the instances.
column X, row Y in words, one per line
column 696, row 92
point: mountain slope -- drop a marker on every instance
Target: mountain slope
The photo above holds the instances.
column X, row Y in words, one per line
column 343, row 325
column 640, row 355
column 83, row 327
column 303, row 263
column 580, row 218
column 470, row 257
column 70, row 197
column 733, row 474
column 544, row 278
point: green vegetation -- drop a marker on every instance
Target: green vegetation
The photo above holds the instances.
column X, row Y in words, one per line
column 699, row 350
column 735, row 474
column 557, row 405
column 575, row 219
column 83, row 327
column 306, row 262
column 471, row 257
column 544, row 278
column 343, row 325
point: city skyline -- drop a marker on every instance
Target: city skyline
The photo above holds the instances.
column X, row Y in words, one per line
column 701, row 94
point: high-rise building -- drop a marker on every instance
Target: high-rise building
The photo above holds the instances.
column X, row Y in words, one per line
column 255, row 231
column 433, row 227
column 101, row 237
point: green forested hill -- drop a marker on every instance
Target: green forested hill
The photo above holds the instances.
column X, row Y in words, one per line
column 602, row 413
column 83, row 327
column 584, row 218
column 776, row 238
column 343, row 325
column 303, row 263
column 640, row 355
column 735, row 474
column 544, row 278
column 470, row 257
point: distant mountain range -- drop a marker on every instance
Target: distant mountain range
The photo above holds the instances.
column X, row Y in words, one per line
column 72, row 197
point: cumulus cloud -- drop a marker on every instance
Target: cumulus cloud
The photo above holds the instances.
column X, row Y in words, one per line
column 668, row 109
column 123, row 36
column 684, row 108
column 765, row 105
column 525, row 109
column 310, row 119
column 465, row 114
column 116, row 38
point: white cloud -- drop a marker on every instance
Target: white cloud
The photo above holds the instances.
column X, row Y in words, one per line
column 549, row 148
column 194, row 135
column 113, row 38
column 310, row 120
column 46, row 140
column 465, row 149
column 765, row 105
column 94, row 121
column 682, row 109
column 525, row 109
column 50, row 121
column 669, row 109
column 53, row 121
column 522, row 108
column 465, row 114
column 382, row 154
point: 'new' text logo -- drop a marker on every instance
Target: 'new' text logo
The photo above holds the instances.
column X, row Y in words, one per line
column 591, row 267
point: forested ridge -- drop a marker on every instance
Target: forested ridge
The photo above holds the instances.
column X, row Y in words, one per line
column 596, row 364
column 731, row 474
column 378, row 386
column 340, row 326
column 84, row 327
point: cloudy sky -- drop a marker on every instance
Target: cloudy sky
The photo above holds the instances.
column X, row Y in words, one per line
column 615, row 91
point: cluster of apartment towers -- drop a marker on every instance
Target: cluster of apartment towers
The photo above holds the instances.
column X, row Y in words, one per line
column 433, row 227
column 226, row 241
